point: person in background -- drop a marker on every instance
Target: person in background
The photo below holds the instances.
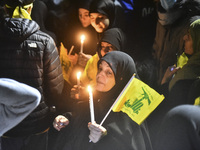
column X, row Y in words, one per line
column 113, row 39
column 174, row 18
column 106, row 14
column 30, row 56
column 90, row 45
column 178, row 83
column 191, row 69
column 79, row 24
column 17, row 101
column 39, row 14
column 118, row 131
column 188, row 63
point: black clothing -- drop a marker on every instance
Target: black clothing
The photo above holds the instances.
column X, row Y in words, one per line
column 122, row 65
column 30, row 56
column 84, row 4
column 180, row 129
column 105, row 7
column 39, row 14
column 115, row 37
column 111, row 9
column 123, row 133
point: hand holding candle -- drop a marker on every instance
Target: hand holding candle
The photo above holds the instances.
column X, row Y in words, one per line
column 82, row 41
column 91, row 104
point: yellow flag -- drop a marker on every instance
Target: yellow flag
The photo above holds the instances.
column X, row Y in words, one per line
column 137, row 100
column 66, row 64
column 182, row 60
column 197, row 101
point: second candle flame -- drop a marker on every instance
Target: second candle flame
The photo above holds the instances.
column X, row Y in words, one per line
column 82, row 38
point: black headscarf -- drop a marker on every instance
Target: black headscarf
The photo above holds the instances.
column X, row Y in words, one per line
column 84, row 4
column 123, row 67
column 115, row 37
column 105, row 7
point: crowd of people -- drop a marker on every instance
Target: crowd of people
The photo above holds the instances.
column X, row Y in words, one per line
column 44, row 43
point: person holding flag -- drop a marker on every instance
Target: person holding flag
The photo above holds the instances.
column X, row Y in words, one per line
column 118, row 131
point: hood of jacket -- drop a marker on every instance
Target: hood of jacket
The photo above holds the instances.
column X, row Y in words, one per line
column 17, row 29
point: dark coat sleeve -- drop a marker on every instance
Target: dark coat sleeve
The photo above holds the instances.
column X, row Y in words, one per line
column 53, row 78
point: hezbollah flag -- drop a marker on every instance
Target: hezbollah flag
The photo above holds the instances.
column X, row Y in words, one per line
column 137, row 100
column 66, row 64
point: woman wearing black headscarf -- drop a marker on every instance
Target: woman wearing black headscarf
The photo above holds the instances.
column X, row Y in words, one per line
column 112, row 40
column 114, row 71
column 106, row 14
column 80, row 24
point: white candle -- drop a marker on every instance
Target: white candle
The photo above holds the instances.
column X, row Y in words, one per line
column 78, row 78
column 91, row 104
column 82, row 41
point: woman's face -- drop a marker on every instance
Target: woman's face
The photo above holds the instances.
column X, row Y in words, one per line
column 105, row 78
column 106, row 47
column 99, row 21
column 188, row 44
column 84, row 17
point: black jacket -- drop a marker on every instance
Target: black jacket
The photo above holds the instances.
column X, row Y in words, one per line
column 30, row 56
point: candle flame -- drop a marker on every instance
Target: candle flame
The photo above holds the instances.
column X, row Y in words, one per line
column 82, row 38
column 89, row 89
column 78, row 75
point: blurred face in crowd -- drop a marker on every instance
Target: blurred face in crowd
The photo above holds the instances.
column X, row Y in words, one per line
column 84, row 17
column 99, row 21
column 188, row 44
column 106, row 47
column 105, row 78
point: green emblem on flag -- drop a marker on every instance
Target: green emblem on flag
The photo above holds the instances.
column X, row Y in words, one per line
column 138, row 103
column 137, row 100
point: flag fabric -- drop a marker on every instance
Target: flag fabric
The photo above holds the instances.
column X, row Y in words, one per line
column 137, row 100
column 197, row 101
column 66, row 63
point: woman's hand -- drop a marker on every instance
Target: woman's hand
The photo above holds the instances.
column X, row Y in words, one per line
column 83, row 59
column 74, row 94
column 169, row 73
column 60, row 122
column 96, row 132
column 79, row 93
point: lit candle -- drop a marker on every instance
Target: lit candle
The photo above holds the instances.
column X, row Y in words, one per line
column 82, row 41
column 78, row 78
column 91, row 104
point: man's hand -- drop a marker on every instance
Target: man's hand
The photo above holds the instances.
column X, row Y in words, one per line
column 60, row 122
